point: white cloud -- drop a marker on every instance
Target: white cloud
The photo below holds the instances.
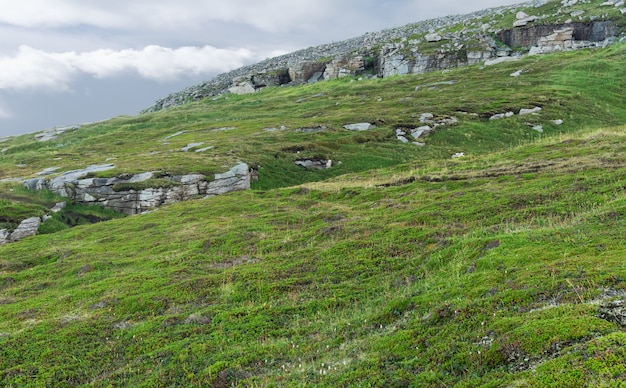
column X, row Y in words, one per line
column 269, row 15
column 31, row 68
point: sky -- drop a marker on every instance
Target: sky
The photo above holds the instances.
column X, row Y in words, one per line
column 67, row 62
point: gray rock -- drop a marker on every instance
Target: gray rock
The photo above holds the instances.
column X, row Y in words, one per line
column 191, row 146
column 242, row 88
column 434, row 37
column 27, row 228
column 5, row 236
column 319, row 164
column 359, row 127
column 402, row 139
column 175, row 134
column 58, row 207
column 419, row 132
column 101, row 190
column 141, row 177
column 534, row 110
column 557, row 122
column 458, row 155
column 426, row 117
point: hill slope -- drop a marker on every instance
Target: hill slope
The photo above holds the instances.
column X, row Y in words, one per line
column 397, row 266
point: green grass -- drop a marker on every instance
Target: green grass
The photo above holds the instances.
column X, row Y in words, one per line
column 368, row 285
column 398, row 267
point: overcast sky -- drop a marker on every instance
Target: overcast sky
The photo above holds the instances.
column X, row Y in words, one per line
column 65, row 62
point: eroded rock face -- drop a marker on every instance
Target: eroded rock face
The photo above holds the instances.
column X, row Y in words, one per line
column 530, row 35
column 113, row 192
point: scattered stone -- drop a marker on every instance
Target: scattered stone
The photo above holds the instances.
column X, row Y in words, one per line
column 517, row 73
column 419, row 132
column 223, row 129
column 426, row 117
column 312, row 129
column 499, row 116
column 557, row 122
column 359, row 127
column 319, row 164
column 524, row 21
column 538, row 128
column 191, row 146
column 402, row 139
column 205, row 149
column 58, row 207
column 27, row 228
column 434, row 37
column 417, row 143
column 534, row 110
column 175, row 134
column 458, row 155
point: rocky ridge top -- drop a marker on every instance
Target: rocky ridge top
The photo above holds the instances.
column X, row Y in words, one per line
column 364, row 44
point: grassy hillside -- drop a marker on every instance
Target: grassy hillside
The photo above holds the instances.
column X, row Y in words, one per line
column 398, row 266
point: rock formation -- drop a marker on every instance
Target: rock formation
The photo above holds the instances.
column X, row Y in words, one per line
column 140, row 192
column 416, row 48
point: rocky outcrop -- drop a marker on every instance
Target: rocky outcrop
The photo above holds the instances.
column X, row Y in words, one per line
column 416, row 48
column 526, row 37
column 133, row 194
column 26, row 228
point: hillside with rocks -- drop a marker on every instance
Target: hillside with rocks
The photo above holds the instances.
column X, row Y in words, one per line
column 487, row 36
column 458, row 227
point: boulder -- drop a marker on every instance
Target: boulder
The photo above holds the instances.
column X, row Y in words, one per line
column 434, row 37
column 534, row 110
column 359, row 127
column 245, row 87
column 27, row 228
column 58, row 207
column 523, row 22
column 318, row 164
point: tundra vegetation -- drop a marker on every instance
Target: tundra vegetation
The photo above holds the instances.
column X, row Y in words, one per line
column 396, row 266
